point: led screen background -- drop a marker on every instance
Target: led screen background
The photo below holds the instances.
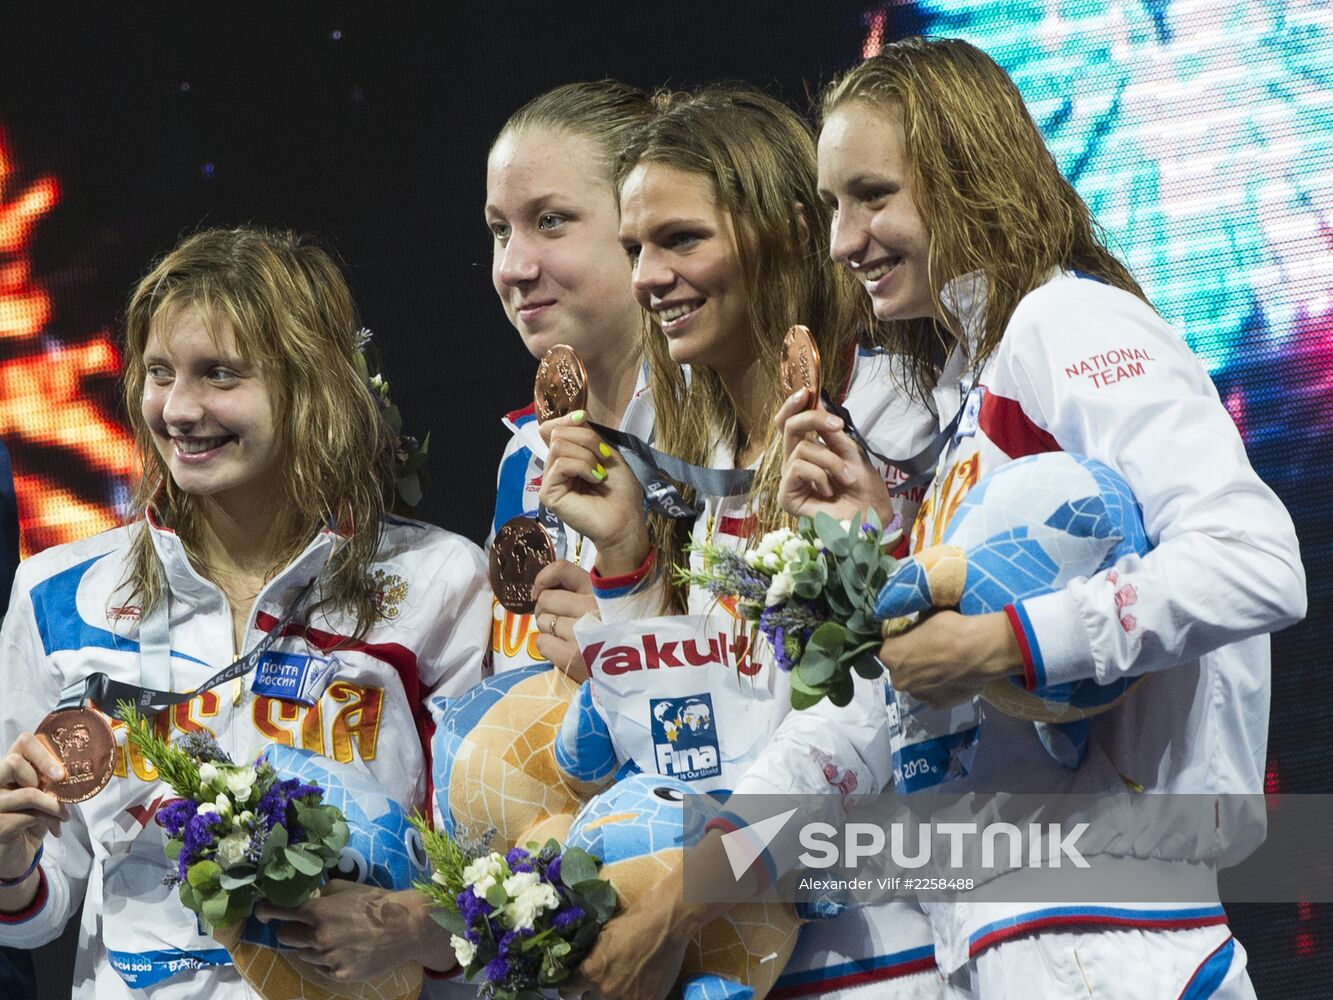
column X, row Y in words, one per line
column 1200, row 133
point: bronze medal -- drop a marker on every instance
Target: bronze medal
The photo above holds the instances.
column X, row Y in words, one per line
column 82, row 739
column 520, row 551
column 562, row 383
column 800, row 364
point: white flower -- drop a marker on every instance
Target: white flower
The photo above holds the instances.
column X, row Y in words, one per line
column 207, row 809
column 232, row 848
column 208, row 773
column 516, row 885
column 222, row 805
column 240, row 783
column 780, row 588
column 531, row 898
column 484, row 873
column 771, row 562
column 795, row 549
column 245, row 818
column 439, row 879
column 464, row 950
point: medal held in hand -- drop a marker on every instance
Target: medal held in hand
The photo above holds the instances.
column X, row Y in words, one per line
column 82, row 739
column 800, row 364
column 562, row 383
column 521, row 549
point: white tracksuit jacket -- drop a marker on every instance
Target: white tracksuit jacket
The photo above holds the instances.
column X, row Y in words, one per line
column 1092, row 370
column 70, row 616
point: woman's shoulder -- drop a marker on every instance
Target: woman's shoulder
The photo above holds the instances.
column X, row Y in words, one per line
column 67, row 555
column 423, row 546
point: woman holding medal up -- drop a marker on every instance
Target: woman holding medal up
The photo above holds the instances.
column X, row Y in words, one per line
column 563, row 279
column 955, row 217
column 266, row 466
column 726, row 237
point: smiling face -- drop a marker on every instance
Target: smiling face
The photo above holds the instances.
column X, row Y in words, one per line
column 555, row 261
column 877, row 232
column 210, row 412
column 687, row 269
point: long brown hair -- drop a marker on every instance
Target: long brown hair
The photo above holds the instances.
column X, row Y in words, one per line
column 759, row 156
column 292, row 315
column 989, row 192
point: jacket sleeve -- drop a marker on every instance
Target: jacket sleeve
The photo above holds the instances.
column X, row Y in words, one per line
column 816, row 760
column 1099, row 371
column 456, row 640
column 31, row 690
column 639, row 594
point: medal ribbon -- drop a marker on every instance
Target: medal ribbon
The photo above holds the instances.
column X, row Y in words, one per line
column 106, row 693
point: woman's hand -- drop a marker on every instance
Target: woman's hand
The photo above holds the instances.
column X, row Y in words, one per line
column 823, row 469
column 587, row 485
column 27, row 814
column 563, row 592
column 947, row 658
column 637, row 955
column 354, row 932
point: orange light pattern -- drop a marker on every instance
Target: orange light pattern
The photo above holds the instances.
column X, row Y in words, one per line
column 43, row 401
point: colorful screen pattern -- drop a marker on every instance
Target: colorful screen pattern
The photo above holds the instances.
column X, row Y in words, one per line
column 71, row 456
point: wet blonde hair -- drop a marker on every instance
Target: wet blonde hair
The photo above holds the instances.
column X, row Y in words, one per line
column 988, row 190
column 292, row 316
column 604, row 111
column 759, row 157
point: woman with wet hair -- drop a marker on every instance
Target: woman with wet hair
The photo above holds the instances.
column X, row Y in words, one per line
column 726, row 236
column 562, row 278
column 266, row 465
column 986, row 270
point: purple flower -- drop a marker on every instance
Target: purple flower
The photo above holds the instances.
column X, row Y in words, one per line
column 472, row 907
column 519, row 860
column 567, row 918
column 553, row 871
column 497, row 969
column 202, row 748
column 512, row 942
column 173, row 816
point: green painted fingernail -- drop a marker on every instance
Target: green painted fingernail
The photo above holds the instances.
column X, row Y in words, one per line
column 599, row 473
column 577, row 416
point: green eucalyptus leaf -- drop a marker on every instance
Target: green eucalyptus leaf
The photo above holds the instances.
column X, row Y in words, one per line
column 236, row 878
column 801, row 700
column 815, row 668
column 174, row 848
column 576, row 866
column 867, row 665
column 450, row 920
column 840, row 692
column 203, row 875
column 303, row 861
column 496, row 896
column 828, row 638
column 215, row 908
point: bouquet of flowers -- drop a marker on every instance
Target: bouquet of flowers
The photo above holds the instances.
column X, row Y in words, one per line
column 811, row 593
column 237, row 834
column 526, row 918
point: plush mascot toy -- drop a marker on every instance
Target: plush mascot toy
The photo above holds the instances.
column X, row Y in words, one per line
column 383, row 850
column 638, row 828
column 498, row 779
column 1027, row 529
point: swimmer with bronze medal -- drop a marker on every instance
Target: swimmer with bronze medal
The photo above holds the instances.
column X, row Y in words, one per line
column 523, row 546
